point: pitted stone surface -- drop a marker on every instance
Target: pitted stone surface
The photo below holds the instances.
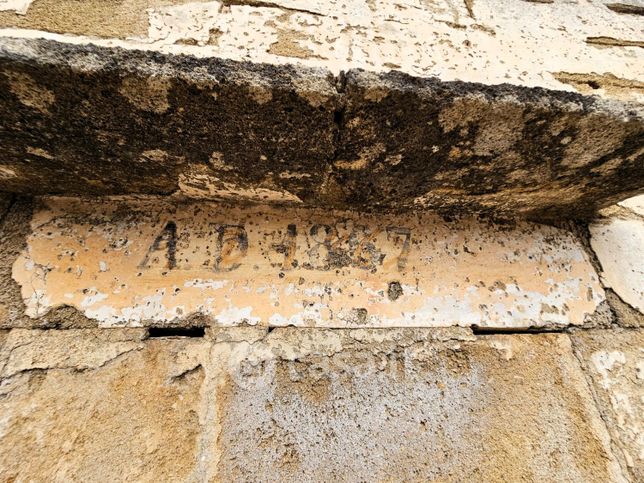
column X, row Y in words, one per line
column 614, row 362
column 89, row 405
column 294, row 404
column 399, row 405
column 212, row 128
column 584, row 46
column 147, row 262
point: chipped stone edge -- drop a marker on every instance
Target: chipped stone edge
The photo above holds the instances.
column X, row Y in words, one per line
column 623, row 314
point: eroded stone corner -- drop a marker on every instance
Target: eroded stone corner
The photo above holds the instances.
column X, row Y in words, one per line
column 15, row 227
column 617, row 240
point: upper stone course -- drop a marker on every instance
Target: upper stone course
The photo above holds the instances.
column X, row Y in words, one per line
column 463, row 107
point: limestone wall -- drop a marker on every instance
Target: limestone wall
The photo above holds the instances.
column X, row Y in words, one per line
column 591, row 47
column 321, row 241
column 365, row 382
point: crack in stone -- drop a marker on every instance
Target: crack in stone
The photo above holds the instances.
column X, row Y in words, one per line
column 263, row 4
column 626, row 8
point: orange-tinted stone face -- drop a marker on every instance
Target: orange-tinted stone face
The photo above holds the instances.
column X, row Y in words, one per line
column 142, row 262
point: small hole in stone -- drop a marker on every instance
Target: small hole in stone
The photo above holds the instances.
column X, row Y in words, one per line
column 594, row 85
column 394, row 291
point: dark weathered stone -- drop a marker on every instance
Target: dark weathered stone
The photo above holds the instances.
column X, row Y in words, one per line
column 487, row 149
column 111, row 121
column 81, row 119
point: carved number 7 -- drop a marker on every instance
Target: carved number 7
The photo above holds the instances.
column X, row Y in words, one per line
column 399, row 235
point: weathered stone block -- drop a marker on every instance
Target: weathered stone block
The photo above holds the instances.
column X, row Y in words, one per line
column 400, row 405
column 88, row 405
column 614, row 363
column 152, row 262
column 83, row 119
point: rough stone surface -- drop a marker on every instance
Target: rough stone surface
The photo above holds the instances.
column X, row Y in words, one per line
column 399, row 406
column 591, row 47
column 614, row 362
column 298, row 404
column 88, row 405
column 153, row 262
column 218, row 128
column 5, row 202
column 618, row 242
column 297, row 146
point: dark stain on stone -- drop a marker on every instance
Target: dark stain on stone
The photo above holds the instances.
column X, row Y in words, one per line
column 626, row 8
column 394, row 291
column 132, row 122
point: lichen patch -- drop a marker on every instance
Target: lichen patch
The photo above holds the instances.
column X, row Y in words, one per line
column 30, row 93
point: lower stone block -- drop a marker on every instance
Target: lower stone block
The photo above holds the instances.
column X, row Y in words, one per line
column 249, row 404
column 87, row 405
column 408, row 405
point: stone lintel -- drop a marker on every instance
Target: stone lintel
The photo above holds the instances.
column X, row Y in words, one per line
column 89, row 120
column 154, row 263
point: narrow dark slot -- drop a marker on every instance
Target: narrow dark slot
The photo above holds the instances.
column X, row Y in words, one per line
column 626, row 8
column 476, row 330
column 338, row 116
column 176, row 332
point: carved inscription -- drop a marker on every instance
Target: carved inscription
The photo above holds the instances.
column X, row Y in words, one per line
column 326, row 247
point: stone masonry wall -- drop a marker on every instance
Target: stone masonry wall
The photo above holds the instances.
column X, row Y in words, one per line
column 101, row 378
column 321, row 240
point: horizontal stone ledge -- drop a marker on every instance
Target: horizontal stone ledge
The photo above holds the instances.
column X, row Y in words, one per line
column 154, row 263
column 88, row 120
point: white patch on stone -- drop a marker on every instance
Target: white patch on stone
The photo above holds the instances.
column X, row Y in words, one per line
column 18, row 6
column 604, row 362
column 235, row 316
column 619, row 245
